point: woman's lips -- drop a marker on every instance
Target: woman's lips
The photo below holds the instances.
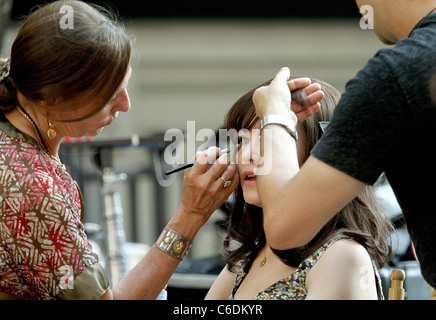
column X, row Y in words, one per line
column 109, row 122
column 249, row 178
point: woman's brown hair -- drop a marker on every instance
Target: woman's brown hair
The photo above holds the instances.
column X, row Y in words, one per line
column 86, row 62
column 363, row 219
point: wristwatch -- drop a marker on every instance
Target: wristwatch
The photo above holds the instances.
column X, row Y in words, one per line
column 285, row 122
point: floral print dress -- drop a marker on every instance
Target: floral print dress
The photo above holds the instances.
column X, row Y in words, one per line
column 293, row 287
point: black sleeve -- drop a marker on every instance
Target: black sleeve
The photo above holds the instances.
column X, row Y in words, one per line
column 368, row 123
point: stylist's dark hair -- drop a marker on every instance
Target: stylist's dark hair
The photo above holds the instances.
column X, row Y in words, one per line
column 363, row 219
column 86, row 63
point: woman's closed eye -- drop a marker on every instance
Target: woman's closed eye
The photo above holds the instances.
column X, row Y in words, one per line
column 243, row 141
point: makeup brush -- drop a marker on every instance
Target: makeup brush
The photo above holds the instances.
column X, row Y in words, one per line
column 190, row 164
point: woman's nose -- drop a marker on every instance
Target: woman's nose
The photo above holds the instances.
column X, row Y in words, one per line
column 122, row 103
column 250, row 153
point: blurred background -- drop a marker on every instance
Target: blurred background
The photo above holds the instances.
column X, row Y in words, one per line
column 192, row 60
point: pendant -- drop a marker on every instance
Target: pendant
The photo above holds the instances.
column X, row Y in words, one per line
column 51, row 133
column 262, row 263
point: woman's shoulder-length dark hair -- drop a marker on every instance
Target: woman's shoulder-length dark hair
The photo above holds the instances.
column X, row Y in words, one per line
column 362, row 219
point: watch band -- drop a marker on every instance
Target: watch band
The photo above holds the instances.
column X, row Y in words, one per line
column 173, row 244
column 286, row 123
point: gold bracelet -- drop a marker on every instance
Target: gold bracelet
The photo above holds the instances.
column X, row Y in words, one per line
column 173, row 244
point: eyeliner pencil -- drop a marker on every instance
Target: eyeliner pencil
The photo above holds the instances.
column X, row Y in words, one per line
column 190, row 164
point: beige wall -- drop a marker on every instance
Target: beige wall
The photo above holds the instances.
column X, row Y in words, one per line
column 194, row 70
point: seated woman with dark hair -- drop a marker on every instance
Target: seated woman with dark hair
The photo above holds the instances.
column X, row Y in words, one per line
column 340, row 262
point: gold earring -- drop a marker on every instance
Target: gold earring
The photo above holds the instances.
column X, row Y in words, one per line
column 51, row 133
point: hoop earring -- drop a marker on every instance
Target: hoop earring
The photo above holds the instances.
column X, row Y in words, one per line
column 51, row 133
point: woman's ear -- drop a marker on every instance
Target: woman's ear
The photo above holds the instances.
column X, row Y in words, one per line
column 48, row 105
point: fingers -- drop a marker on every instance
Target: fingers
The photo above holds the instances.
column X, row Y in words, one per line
column 204, row 159
column 307, row 112
column 203, row 166
column 227, row 179
column 205, row 192
column 313, row 91
column 208, row 155
column 314, row 94
column 298, row 83
column 203, row 188
column 216, row 170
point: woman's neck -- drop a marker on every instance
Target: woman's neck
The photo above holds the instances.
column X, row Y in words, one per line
column 32, row 122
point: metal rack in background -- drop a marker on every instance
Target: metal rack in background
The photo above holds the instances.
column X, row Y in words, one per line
column 100, row 153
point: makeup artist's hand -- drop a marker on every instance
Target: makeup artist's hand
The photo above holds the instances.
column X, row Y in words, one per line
column 203, row 193
column 276, row 98
column 203, row 188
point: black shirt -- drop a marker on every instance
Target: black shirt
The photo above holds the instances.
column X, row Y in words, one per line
column 386, row 122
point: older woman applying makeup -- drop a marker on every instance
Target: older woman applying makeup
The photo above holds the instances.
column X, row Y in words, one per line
column 61, row 82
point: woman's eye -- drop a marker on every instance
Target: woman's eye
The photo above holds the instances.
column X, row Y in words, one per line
column 243, row 140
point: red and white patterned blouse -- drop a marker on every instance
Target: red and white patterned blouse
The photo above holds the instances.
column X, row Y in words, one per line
column 44, row 251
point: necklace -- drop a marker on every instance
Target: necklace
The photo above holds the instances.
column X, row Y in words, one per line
column 39, row 136
column 263, row 262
